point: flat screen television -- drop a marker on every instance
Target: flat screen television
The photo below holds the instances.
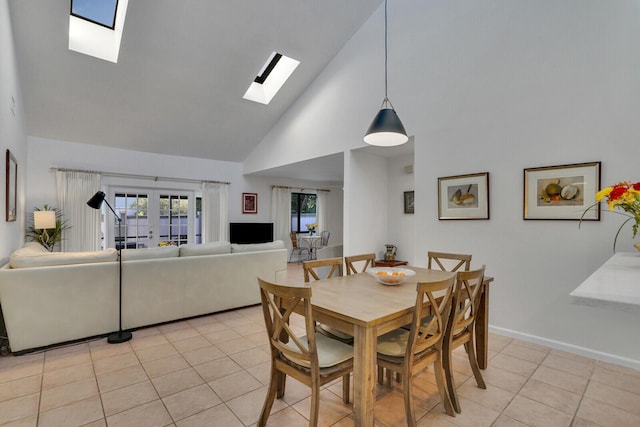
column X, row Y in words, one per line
column 250, row 232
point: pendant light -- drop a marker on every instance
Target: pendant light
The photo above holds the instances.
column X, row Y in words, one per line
column 386, row 129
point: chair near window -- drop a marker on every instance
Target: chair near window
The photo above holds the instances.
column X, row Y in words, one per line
column 466, row 300
column 295, row 249
column 315, row 270
column 369, row 261
column 313, row 359
column 324, row 238
column 409, row 352
column 448, row 261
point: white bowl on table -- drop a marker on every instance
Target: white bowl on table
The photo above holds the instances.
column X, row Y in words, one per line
column 390, row 276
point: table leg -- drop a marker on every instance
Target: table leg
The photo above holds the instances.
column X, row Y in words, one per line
column 364, row 372
column 482, row 329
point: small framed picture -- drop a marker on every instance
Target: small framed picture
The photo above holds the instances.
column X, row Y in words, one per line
column 11, row 189
column 464, row 196
column 249, row 203
column 562, row 192
column 408, row 202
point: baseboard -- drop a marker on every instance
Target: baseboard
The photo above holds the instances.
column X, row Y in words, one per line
column 559, row 345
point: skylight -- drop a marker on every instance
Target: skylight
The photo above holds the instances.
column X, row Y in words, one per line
column 272, row 76
column 95, row 27
column 101, row 12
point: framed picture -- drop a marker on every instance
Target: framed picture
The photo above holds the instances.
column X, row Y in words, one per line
column 464, row 196
column 249, row 203
column 12, row 186
column 408, row 202
column 562, row 192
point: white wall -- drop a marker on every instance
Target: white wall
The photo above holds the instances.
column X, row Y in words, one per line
column 497, row 86
column 12, row 135
column 43, row 154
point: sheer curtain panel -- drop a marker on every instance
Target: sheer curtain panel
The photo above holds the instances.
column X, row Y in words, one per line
column 321, row 209
column 215, row 209
column 281, row 214
column 74, row 190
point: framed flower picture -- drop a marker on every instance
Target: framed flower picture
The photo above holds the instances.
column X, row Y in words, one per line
column 464, row 196
column 249, row 203
column 562, row 192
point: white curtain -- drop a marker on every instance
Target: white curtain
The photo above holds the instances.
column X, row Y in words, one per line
column 74, row 190
column 321, row 210
column 215, row 210
column 281, row 214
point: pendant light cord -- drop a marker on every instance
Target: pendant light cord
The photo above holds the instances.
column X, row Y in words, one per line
column 385, row 52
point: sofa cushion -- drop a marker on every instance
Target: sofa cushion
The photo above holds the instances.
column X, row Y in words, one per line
column 31, row 256
column 213, row 248
column 255, row 247
column 169, row 251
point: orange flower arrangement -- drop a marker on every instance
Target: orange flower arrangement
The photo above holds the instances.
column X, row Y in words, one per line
column 624, row 196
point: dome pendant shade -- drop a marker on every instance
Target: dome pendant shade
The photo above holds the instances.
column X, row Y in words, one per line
column 386, row 129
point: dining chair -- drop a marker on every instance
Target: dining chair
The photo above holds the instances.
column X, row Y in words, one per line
column 312, row 359
column 297, row 249
column 369, row 261
column 324, row 238
column 448, row 261
column 408, row 352
column 315, row 270
column 466, row 301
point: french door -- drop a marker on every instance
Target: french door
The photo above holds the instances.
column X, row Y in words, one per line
column 151, row 217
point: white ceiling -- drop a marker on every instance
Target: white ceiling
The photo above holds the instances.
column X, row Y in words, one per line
column 183, row 68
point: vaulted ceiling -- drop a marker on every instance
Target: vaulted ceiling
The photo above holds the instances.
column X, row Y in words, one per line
column 183, row 68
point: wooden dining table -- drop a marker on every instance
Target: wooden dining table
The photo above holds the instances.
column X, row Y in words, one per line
column 357, row 304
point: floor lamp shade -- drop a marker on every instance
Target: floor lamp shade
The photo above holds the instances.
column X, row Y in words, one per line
column 96, row 200
column 121, row 336
column 44, row 220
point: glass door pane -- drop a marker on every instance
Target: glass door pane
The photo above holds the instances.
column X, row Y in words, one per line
column 174, row 219
column 133, row 209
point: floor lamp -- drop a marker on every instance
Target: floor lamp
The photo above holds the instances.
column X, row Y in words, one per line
column 121, row 336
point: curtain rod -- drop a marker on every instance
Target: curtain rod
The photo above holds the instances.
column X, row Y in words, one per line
column 300, row 188
column 131, row 175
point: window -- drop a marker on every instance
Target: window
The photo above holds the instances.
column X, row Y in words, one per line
column 303, row 211
column 101, row 12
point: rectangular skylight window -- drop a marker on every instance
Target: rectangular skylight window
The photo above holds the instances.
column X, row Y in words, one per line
column 93, row 34
column 272, row 76
column 101, row 12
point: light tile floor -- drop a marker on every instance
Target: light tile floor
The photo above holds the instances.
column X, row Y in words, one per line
column 214, row 370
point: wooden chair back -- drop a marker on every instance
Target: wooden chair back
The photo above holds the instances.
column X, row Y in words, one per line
column 278, row 303
column 369, row 261
column 467, row 299
column 460, row 331
column 311, row 268
column 294, row 239
column 448, row 261
column 431, row 316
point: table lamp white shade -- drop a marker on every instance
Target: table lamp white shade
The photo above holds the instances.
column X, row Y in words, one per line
column 44, row 220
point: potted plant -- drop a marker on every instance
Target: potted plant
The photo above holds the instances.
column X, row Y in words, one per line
column 48, row 237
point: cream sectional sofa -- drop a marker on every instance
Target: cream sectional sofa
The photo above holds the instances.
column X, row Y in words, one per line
column 49, row 298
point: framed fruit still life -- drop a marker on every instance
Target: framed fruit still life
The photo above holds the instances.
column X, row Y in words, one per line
column 561, row 192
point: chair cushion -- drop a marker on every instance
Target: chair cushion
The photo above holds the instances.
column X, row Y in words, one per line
column 34, row 255
column 335, row 332
column 255, row 247
column 393, row 343
column 330, row 352
column 150, row 253
column 212, row 248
